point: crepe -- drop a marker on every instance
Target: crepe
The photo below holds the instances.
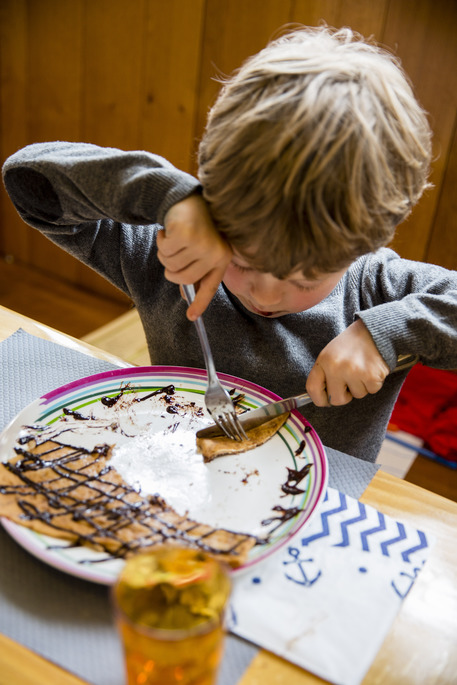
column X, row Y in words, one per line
column 211, row 448
column 74, row 494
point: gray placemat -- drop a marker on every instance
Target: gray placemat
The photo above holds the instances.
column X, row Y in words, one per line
column 31, row 367
column 349, row 474
column 66, row 619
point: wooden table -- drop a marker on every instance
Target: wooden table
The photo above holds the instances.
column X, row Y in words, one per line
column 421, row 647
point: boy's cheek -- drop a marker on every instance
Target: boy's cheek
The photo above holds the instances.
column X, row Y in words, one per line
column 234, row 281
column 306, row 300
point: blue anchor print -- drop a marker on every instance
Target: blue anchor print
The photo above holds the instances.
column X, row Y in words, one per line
column 402, row 588
column 231, row 617
column 303, row 578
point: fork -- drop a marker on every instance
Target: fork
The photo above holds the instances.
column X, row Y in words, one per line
column 217, row 400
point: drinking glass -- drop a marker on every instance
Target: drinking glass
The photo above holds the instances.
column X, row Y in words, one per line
column 169, row 609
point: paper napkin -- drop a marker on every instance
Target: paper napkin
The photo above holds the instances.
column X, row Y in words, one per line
column 326, row 600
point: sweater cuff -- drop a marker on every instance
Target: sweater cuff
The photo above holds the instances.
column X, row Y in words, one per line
column 384, row 323
column 177, row 186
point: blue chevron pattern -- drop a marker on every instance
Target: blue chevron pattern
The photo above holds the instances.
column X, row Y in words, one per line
column 423, row 543
column 344, row 521
column 345, row 525
column 325, row 515
column 393, row 541
column 372, row 531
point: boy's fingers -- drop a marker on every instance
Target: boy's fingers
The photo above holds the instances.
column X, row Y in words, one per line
column 374, row 385
column 316, row 386
column 338, row 393
column 166, row 246
column 201, row 302
column 182, row 268
column 206, row 290
column 332, row 389
column 358, row 389
column 195, row 272
column 187, row 267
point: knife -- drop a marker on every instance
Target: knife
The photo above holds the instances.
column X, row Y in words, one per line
column 256, row 417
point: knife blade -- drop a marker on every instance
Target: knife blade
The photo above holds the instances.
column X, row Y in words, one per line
column 256, row 417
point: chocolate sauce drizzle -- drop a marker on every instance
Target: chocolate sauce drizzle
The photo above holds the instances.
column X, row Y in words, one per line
column 236, row 399
column 168, row 390
column 170, row 399
column 285, row 514
column 111, row 401
column 75, row 414
column 301, row 447
column 294, row 477
column 109, row 504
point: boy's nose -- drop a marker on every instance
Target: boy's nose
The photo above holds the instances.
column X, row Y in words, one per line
column 266, row 290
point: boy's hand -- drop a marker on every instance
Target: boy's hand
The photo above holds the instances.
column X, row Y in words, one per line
column 192, row 251
column 349, row 366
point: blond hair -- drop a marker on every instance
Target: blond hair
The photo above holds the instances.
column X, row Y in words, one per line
column 314, row 151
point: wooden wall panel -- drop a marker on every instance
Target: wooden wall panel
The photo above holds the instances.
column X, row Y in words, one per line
column 424, row 35
column 365, row 17
column 54, row 79
column 142, row 74
column 141, row 64
column 113, row 58
column 442, row 247
column 173, row 40
column 13, row 114
column 53, row 96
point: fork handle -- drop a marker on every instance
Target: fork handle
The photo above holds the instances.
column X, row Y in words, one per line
column 189, row 293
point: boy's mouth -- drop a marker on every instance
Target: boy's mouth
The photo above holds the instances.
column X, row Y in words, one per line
column 258, row 311
column 255, row 310
column 262, row 312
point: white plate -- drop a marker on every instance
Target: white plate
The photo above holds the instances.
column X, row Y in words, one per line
column 235, row 492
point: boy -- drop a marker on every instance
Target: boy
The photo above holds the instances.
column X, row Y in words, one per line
column 314, row 152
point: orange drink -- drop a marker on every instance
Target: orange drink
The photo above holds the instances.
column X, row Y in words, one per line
column 169, row 608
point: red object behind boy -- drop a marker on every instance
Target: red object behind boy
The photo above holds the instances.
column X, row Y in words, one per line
column 427, row 408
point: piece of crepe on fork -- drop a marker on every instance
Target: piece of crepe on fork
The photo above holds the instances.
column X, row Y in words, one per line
column 211, row 448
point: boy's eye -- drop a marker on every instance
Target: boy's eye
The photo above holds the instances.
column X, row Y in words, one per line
column 302, row 287
column 241, row 268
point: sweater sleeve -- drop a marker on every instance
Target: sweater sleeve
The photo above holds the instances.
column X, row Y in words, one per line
column 65, row 184
column 411, row 308
column 101, row 205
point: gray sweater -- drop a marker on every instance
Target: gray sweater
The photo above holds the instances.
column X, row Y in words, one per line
column 105, row 206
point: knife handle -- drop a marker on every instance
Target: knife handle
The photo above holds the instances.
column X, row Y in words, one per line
column 405, row 361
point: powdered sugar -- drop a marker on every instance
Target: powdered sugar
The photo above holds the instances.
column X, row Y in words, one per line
column 166, row 464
